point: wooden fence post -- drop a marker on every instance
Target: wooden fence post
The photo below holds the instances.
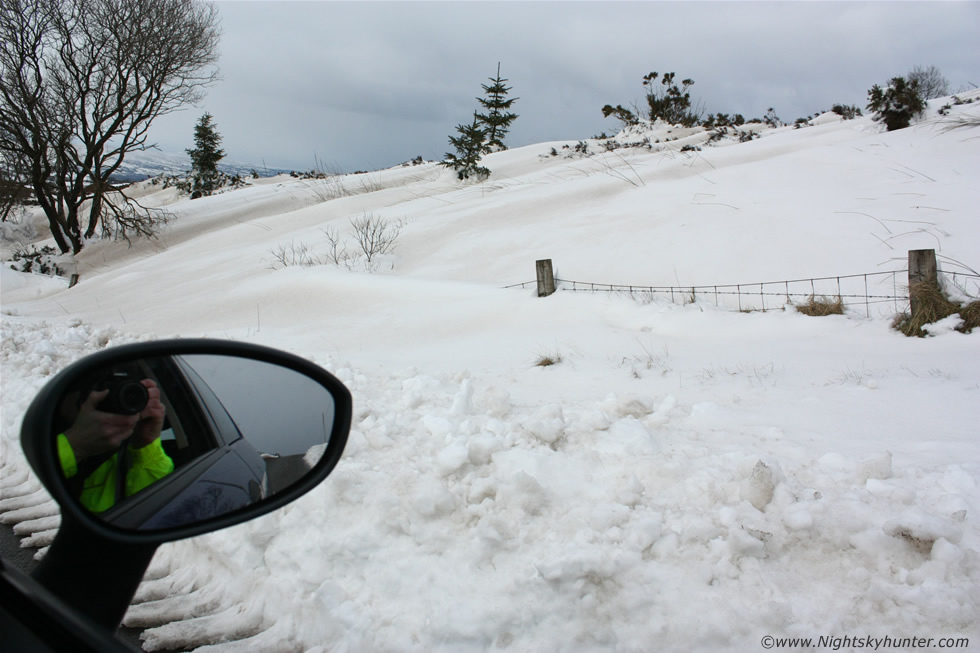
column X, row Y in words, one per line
column 922, row 269
column 546, row 278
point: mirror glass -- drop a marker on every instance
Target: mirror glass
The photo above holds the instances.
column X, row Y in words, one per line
column 166, row 441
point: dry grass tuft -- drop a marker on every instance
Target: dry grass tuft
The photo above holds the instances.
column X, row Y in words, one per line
column 547, row 360
column 823, row 306
column 931, row 305
column 971, row 317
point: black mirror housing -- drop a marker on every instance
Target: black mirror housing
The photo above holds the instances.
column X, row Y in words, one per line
column 42, row 448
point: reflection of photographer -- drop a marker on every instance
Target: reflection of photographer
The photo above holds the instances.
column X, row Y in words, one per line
column 114, row 426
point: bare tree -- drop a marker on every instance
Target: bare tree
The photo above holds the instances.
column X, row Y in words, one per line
column 80, row 83
column 931, row 82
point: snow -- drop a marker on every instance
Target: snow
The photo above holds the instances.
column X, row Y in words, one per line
column 685, row 478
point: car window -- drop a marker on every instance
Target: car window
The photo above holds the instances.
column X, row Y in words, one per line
column 304, row 412
column 225, row 427
column 192, row 434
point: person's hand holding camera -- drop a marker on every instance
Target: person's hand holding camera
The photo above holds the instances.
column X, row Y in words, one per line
column 95, row 432
column 150, row 423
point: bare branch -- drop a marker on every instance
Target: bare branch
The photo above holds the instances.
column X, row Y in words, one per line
column 338, row 253
column 124, row 217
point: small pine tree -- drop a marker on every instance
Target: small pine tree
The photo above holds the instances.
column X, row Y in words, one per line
column 896, row 105
column 471, row 145
column 205, row 157
column 497, row 118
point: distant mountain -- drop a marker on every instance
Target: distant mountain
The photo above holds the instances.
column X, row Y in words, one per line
column 142, row 165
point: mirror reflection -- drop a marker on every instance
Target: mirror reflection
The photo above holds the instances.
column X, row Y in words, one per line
column 171, row 440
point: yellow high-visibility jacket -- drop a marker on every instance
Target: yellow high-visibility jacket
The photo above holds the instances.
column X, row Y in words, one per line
column 148, row 465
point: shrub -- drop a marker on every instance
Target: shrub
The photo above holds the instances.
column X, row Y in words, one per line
column 896, row 105
column 670, row 103
column 293, row 254
column 772, row 119
column 374, row 236
column 717, row 134
column 723, row 120
column 38, row 260
column 847, row 112
column 185, row 184
column 961, row 121
column 624, row 115
column 312, row 174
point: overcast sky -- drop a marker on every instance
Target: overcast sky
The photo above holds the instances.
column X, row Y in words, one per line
column 367, row 85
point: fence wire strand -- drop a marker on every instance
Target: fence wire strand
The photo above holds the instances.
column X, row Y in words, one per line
column 851, row 290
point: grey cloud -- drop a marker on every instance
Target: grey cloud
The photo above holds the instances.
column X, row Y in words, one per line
column 368, row 84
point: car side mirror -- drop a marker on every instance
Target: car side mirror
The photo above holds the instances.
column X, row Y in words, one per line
column 154, row 442
column 146, row 443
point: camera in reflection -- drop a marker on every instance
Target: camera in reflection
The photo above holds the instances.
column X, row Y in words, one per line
column 127, row 396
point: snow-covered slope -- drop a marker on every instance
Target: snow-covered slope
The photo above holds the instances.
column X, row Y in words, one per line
column 687, row 477
column 138, row 166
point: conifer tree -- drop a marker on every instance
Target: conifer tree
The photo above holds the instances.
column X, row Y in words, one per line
column 497, row 118
column 205, row 157
column 471, row 145
column 896, row 105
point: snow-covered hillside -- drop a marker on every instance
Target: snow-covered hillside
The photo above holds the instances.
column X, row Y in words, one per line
column 686, row 477
column 153, row 163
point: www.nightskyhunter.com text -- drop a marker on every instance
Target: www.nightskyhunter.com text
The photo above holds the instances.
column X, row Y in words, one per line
column 871, row 643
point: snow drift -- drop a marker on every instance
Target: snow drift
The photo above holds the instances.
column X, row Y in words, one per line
column 685, row 478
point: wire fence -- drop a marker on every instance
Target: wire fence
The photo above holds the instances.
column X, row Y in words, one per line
column 874, row 292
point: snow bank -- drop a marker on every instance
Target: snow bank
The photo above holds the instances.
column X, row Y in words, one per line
column 686, row 478
column 23, row 286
